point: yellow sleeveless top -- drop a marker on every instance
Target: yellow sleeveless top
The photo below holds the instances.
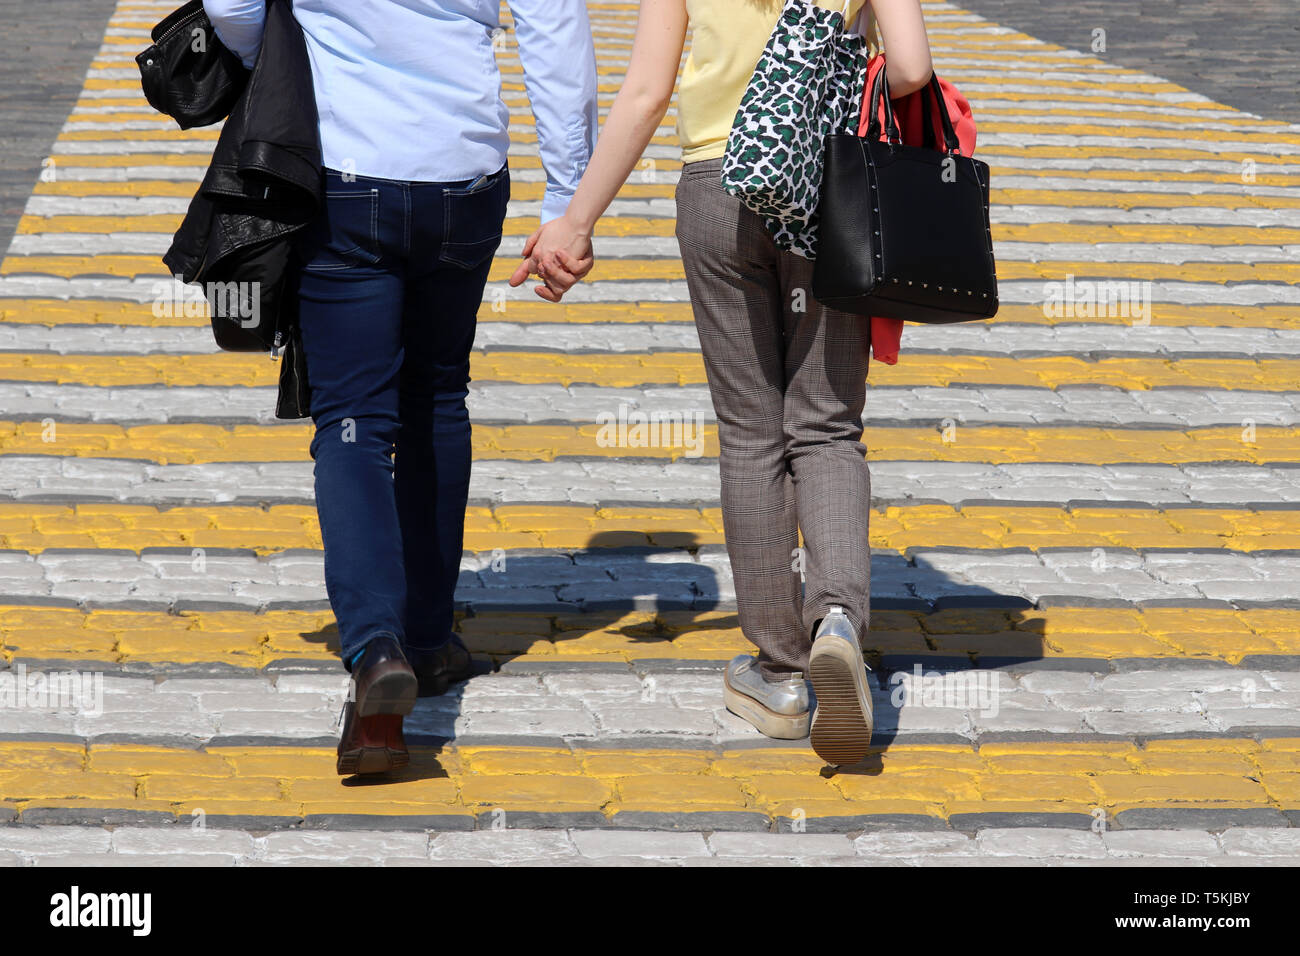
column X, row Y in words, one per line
column 727, row 38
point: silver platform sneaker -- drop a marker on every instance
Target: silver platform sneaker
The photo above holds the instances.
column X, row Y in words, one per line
column 842, row 722
column 777, row 708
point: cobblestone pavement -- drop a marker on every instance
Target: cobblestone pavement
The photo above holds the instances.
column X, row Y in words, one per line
column 1086, row 615
column 1244, row 55
column 47, row 48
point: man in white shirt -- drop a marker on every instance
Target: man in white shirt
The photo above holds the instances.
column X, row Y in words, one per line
column 414, row 141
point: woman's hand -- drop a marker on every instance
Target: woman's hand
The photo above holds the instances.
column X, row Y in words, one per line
column 559, row 253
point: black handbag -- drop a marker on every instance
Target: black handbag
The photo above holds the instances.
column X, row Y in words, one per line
column 904, row 230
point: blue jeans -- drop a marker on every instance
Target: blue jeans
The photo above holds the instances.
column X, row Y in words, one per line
column 392, row 277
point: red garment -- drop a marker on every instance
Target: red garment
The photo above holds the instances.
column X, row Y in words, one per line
column 886, row 334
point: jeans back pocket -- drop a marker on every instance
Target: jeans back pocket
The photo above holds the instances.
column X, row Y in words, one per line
column 345, row 234
column 472, row 220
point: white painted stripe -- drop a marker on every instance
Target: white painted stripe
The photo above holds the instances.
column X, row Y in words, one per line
column 148, row 288
column 690, row 483
column 985, row 338
column 506, row 403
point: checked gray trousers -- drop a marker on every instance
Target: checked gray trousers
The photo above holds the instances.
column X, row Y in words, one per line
column 788, row 382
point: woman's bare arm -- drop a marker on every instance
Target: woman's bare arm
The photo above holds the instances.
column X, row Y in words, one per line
column 902, row 28
column 633, row 118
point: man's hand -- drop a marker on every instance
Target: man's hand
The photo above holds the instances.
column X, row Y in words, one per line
column 560, row 254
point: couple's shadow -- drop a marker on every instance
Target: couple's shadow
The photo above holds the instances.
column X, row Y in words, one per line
column 515, row 600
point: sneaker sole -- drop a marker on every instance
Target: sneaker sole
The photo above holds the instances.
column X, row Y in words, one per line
column 841, row 730
column 767, row 722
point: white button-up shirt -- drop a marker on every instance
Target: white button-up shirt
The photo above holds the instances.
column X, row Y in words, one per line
column 409, row 89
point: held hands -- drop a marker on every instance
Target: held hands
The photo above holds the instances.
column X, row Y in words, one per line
column 560, row 254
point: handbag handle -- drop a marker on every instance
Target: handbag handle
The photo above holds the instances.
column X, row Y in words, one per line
column 881, row 88
column 949, row 134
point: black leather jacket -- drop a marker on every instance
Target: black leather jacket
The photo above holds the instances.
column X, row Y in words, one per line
column 264, row 182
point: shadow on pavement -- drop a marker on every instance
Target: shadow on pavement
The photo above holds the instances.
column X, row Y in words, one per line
column 930, row 636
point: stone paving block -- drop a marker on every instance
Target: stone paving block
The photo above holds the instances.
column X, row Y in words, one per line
column 600, row 844
column 181, row 839
column 622, row 718
column 1242, row 841
column 40, row 725
column 791, row 846
column 1041, row 843
column 1182, row 844
column 326, row 845
column 915, row 844
column 45, row 841
column 551, row 722
column 1201, row 680
column 85, row 860
column 268, row 701
column 503, row 847
column 212, row 685
column 329, row 685
column 1246, row 719
column 277, row 723
column 145, row 726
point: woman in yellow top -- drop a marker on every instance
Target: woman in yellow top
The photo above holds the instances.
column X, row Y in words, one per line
column 787, row 377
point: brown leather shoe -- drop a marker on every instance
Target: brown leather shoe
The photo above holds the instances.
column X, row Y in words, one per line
column 371, row 744
column 438, row 669
column 384, row 681
column 384, row 692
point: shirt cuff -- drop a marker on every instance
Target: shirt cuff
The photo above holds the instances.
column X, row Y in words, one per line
column 555, row 202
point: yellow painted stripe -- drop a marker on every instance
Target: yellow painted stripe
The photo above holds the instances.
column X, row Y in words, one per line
column 35, row 528
column 206, row 135
column 678, row 368
column 1089, row 108
column 246, row 639
column 200, row 443
column 168, row 223
column 112, row 160
column 933, row 780
column 1135, row 131
column 1189, row 151
column 146, row 114
column 1085, row 96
